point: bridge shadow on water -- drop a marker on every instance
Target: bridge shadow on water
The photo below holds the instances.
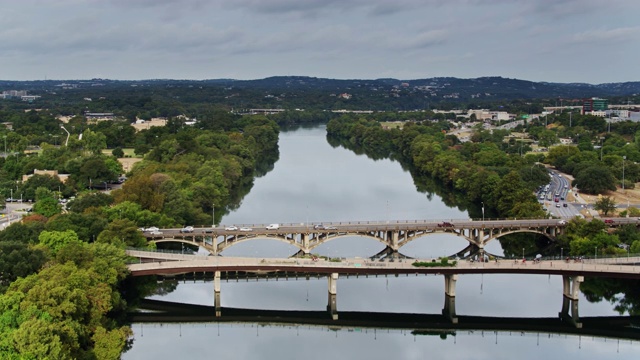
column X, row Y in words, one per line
column 156, row 311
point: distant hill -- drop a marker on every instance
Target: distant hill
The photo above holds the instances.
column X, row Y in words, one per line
column 323, row 93
column 482, row 87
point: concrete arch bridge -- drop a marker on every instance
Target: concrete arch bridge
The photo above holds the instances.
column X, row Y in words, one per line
column 394, row 235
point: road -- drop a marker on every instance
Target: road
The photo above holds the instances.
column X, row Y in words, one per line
column 13, row 212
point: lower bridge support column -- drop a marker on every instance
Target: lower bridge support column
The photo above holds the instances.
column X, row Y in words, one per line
column 449, row 310
column 216, row 295
column 570, row 292
column 479, row 241
column 332, row 305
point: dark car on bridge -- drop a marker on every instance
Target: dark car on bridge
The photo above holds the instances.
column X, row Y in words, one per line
column 445, row 224
column 609, row 221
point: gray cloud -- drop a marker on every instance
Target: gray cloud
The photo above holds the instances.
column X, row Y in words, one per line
column 330, row 38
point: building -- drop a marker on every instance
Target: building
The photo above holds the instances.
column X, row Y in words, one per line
column 52, row 173
column 95, row 117
column 10, row 94
column 594, row 104
column 29, row 98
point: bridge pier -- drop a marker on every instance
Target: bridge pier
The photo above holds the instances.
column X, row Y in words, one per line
column 216, row 291
column 393, row 235
column 449, row 310
column 305, row 243
column 570, row 292
column 332, row 305
column 214, row 244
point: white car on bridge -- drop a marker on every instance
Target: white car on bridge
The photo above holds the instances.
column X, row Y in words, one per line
column 273, row 226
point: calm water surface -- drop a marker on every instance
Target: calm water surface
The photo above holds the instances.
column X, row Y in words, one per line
column 313, row 182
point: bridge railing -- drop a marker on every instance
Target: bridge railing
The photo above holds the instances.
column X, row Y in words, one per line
column 310, row 224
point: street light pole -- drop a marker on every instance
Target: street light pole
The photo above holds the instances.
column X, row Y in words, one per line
column 482, row 211
column 522, row 253
column 561, row 255
column 623, row 159
column 66, row 143
column 213, row 215
column 596, row 254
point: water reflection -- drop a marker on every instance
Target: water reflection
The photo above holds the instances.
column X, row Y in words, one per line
column 313, row 182
column 295, row 341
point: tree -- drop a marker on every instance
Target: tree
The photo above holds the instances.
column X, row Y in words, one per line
column 17, row 259
column 602, row 242
column 89, row 199
column 122, row 233
column 55, row 240
column 94, row 141
column 595, row 179
column 605, row 204
column 118, row 152
column 47, row 207
column 51, row 183
column 88, row 225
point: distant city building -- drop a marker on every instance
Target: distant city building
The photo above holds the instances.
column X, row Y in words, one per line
column 596, row 113
column 90, row 116
column 29, row 98
column 8, row 94
column 500, row 115
column 594, row 104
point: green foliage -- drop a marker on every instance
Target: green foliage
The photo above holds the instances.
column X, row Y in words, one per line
column 605, row 204
column 87, row 225
column 89, row 199
column 118, row 152
column 442, row 262
column 595, row 179
column 51, row 183
column 55, row 240
column 25, row 232
column 17, row 259
column 584, row 237
column 628, row 233
column 61, row 312
column 122, row 233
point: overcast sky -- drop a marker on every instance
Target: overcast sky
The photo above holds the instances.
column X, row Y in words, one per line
column 592, row 41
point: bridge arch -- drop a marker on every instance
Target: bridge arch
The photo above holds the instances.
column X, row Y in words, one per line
column 531, row 231
column 349, row 234
column 430, row 233
column 229, row 243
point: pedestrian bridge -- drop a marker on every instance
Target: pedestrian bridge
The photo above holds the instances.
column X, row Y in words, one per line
column 573, row 273
column 393, row 235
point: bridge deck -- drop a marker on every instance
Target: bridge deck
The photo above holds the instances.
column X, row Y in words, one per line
column 168, row 264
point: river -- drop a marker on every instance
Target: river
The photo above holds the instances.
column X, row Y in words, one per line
column 313, row 182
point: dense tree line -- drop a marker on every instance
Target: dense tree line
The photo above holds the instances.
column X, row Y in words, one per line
column 482, row 171
column 62, row 272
